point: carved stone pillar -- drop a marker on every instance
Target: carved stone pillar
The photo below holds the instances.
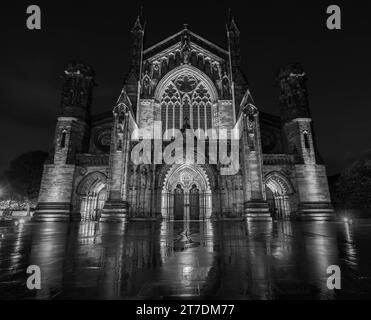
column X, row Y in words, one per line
column 116, row 206
column 256, row 207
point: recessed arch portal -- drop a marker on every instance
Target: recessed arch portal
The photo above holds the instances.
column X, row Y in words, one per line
column 92, row 193
column 279, row 195
column 191, row 182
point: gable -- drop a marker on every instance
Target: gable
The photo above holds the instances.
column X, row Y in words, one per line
column 184, row 48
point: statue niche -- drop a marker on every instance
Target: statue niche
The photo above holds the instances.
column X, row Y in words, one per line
column 226, row 92
column 146, row 86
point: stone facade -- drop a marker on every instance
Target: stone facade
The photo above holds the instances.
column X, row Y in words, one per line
column 183, row 82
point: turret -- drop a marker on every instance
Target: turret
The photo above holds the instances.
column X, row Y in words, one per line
column 293, row 95
column 314, row 196
column 72, row 129
column 77, row 91
column 71, row 138
column 295, row 114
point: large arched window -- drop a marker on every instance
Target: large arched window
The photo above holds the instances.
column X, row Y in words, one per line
column 170, row 101
column 186, row 98
column 195, row 109
column 186, row 109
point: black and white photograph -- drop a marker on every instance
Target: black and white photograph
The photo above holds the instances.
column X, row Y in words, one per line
column 185, row 156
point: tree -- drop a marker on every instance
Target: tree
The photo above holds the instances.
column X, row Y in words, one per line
column 353, row 188
column 25, row 172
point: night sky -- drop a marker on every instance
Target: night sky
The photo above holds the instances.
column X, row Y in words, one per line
column 98, row 33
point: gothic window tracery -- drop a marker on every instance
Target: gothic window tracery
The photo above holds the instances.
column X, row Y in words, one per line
column 186, row 109
column 177, row 116
column 170, row 116
column 195, row 115
column 186, row 97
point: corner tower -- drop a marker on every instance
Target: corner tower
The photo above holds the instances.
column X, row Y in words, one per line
column 295, row 114
column 314, row 196
column 71, row 138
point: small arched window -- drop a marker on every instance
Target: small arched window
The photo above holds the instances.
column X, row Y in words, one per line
column 229, row 148
column 306, row 140
column 63, row 139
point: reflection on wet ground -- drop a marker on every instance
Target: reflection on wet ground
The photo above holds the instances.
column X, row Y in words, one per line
column 198, row 260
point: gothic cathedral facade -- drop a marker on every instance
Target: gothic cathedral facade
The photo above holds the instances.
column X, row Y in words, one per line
column 183, row 82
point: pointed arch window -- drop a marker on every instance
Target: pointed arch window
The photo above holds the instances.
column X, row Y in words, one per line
column 177, row 116
column 195, row 115
column 186, row 110
column 202, row 115
column 208, row 116
column 186, row 97
column 63, row 139
column 163, row 115
column 306, row 140
column 170, row 116
column 202, row 98
column 170, row 100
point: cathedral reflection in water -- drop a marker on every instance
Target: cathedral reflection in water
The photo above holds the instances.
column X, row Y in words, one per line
column 184, row 260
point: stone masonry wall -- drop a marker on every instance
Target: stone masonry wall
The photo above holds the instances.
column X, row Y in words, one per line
column 312, row 183
column 57, row 184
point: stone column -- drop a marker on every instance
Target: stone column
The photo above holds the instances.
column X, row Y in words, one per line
column 256, row 206
column 116, row 206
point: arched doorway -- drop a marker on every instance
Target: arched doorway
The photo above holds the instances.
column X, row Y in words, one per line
column 279, row 195
column 186, row 193
column 92, row 192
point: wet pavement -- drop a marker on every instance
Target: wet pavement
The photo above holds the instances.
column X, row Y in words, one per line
column 198, row 260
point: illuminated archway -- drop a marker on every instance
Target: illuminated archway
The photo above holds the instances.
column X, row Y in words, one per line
column 279, row 195
column 92, row 192
column 193, row 183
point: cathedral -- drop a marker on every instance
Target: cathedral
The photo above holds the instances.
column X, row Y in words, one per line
column 183, row 82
